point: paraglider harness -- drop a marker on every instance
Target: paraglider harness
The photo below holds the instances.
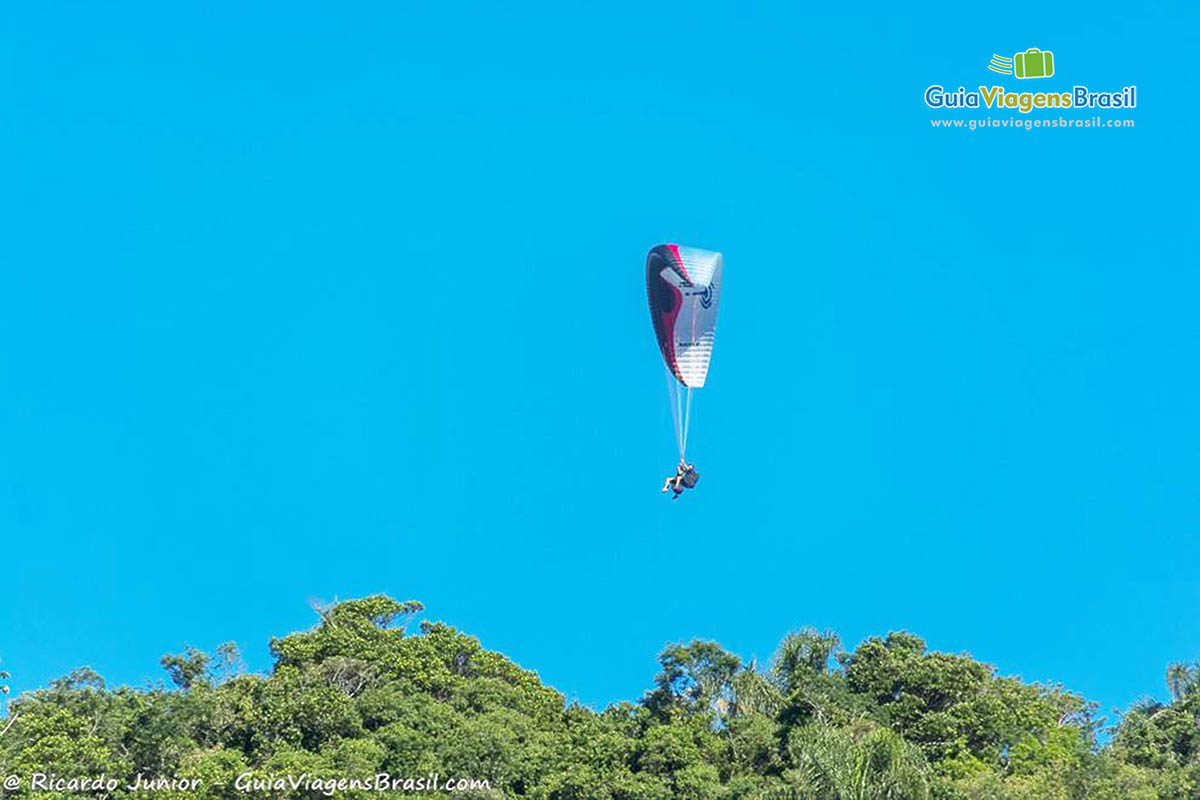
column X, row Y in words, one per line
column 686, row 477
column 690, row 478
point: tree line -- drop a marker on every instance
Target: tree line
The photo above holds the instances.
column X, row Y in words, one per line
column 360, row 695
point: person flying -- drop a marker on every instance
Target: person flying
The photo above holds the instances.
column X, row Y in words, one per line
column 685, row 477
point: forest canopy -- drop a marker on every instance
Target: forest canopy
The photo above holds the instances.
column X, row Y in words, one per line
column 360, row 696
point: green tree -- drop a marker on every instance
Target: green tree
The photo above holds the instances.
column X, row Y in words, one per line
column 860, row 762
column 696, row 678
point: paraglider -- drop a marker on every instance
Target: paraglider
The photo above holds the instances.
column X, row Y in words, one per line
column 685, row 477
column 683, row 285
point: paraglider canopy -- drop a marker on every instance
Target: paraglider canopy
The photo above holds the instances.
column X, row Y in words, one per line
column 683, row 285
column 684, row 288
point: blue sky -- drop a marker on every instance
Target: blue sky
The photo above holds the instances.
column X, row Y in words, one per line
column 308, row 301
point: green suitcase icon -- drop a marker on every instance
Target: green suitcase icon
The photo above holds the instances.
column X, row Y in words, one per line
column 1033, row 63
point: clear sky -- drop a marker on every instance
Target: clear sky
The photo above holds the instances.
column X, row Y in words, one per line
column 313, row 301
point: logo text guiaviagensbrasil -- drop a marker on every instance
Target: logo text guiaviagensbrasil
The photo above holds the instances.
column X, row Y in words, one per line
column 1026, row 65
